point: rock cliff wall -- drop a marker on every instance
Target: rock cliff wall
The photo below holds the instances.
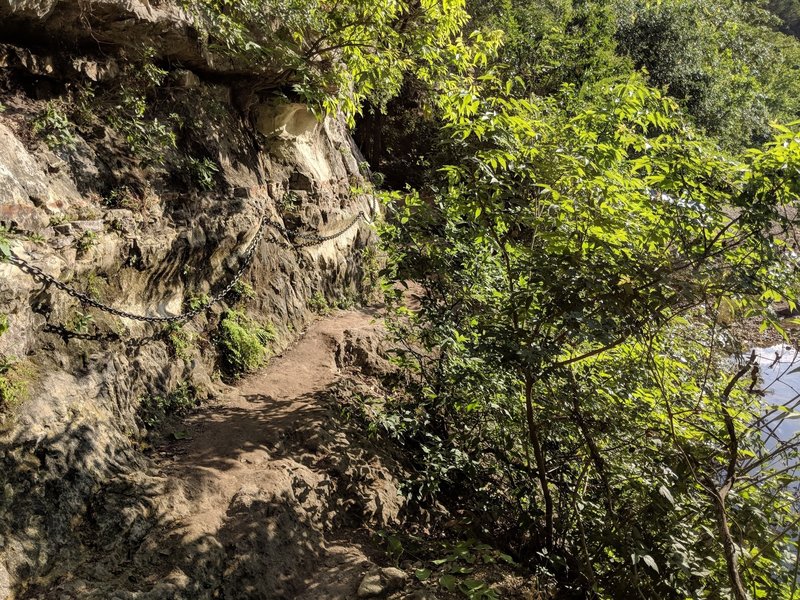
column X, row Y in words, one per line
column 140, row 186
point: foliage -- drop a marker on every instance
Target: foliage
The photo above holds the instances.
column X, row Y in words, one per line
column 789, row 13
column 553, row 43
column 318, row 303
column 243, row 342
column 55, row 128
column 95, row 285
column 724, row 61
column 87, row 241
column 288, row 202
column 129, row 106
column 147, row 135
column 242, row 291
column 198, row 301
column 346, row 300
column 180, row 340
column 371, row 280
column 12, row 385
column 452, row 565
column 148, row 138
column 569, row 387
column 334, row 54
column 12, row 380
column 153, row 410
column 572, row 249
column 202, row 171
column 79, row 322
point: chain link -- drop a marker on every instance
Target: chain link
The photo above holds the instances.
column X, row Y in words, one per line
column 308, row 239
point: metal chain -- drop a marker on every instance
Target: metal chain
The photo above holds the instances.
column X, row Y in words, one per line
column 247, row 258
column 314, row 239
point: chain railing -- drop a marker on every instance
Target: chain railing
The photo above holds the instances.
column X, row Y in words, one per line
column 304, row 240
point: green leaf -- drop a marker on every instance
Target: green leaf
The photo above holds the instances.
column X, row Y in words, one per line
column 448, row 582
column 648, row 560
column 506, row 558
column 423, row 574
column 462, row 570
column 395, row 546
column 473, row 585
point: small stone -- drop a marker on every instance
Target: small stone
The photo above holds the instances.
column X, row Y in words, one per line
column 186, row 79
column 78, row 228
column 371, row 586
column 88, row 68
column 121, row 219
column 394, row 577
column 379, row 582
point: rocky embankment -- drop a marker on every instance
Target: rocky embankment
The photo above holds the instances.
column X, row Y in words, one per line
column 141, row 186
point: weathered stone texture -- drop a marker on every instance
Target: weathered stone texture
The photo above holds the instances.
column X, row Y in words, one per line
column 69, row 450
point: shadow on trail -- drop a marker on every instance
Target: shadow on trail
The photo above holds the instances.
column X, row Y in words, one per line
column 138, row 537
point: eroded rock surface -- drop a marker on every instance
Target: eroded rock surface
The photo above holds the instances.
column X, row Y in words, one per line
column 82, row 506
column 267, row 495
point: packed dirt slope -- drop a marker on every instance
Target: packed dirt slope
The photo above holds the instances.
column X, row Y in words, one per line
column 269, row 493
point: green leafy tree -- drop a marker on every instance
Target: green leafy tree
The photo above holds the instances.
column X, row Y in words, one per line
column 335, row 54
column 724, row 61
column 569, row 230
column 549, row 44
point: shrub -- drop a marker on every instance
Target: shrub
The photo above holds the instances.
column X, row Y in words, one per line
column 54, row 128
column 241, row 292
column 154, row 409
column 319, row 304
column 181, row 341
column 243, row 342
column 202, row 172
column 85, row 242
column 11, row 389
column 198, row 301
column 79, row 322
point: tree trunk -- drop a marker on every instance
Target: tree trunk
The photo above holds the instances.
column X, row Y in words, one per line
column 729, row 549
column 594, row 453
column 541, row 463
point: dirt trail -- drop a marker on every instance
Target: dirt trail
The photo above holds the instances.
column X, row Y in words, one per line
column 268, row 494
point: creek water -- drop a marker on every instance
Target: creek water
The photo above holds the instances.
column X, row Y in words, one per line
column 780, row 373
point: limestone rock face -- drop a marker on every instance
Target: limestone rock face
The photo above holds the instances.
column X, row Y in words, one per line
column 119, row 22
column 28, row 192
column 39, row 9
column 69, row 449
